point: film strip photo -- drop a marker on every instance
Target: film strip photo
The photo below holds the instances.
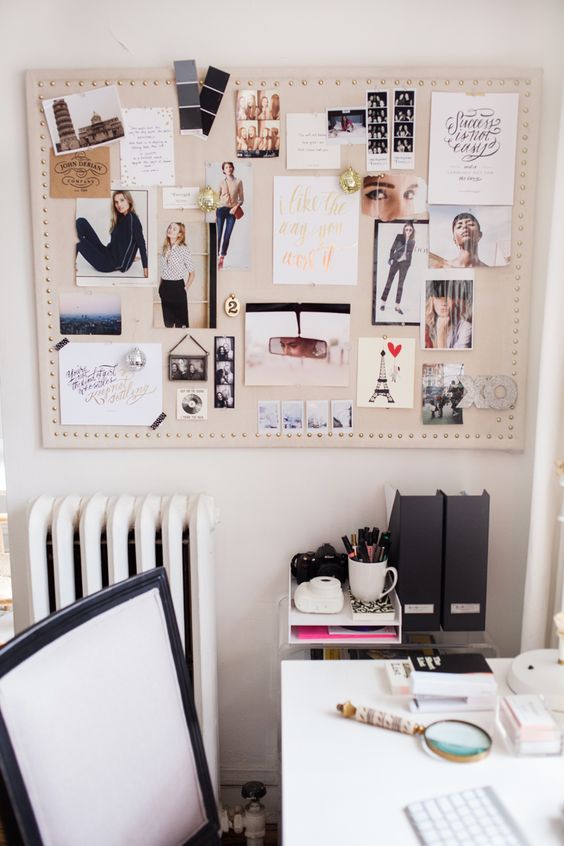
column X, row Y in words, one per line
column 224, row 370
column 403, row 141
column 377, row 131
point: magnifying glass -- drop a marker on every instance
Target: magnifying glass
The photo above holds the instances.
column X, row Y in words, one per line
column 452, row 740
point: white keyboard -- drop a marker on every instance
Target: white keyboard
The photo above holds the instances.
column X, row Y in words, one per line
column 470, row 818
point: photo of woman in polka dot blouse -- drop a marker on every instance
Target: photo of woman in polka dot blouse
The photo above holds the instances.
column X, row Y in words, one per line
column 177, row 274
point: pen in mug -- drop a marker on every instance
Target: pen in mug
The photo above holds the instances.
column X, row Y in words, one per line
column 347, row 544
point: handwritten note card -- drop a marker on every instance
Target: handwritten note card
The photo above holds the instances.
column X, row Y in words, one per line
column 315, row 232
column 147, row 153
column 472, row 152
column 98, row 389
column 180, row 198
column 306, row 143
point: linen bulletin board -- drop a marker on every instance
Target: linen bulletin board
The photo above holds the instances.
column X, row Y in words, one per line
column 447, row 393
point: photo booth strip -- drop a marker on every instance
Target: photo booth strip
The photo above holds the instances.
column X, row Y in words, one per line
column 224, row 376
column 403, row 138
column 188, row 97
column 211, row 96
column 377, row 131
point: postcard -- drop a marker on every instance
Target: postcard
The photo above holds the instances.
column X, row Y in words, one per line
column 342, row 415
column 377, row 131
column 317, row 416
column 306, row 143
column 403, row 139
column 233, row 182
column 98, row 389
column 80, row 121
column 472, row 152
column 268, row 416
column 84, row 174
column 181, row 198
column 447, row 313
column 346, row 125
column 315, row 232
column 400, row 267
column 191, row 404
column 297, row 344
column 293, row 416
column 147, row 151
column 87, row 313
column 441, row 392
column 386, row 372
column 115, row 239
column 469, row 236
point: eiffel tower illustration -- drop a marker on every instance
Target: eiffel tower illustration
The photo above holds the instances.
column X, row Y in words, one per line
column 381, row 389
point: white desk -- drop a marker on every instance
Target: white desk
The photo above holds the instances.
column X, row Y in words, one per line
column 346, row 784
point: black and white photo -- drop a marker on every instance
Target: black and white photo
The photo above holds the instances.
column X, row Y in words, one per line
column 224, row 371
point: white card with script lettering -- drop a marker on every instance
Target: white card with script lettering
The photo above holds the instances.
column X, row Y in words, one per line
column 315, row 232
column 98, row 389
column 472, row 148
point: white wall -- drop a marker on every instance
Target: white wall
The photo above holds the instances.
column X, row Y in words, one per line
column 273, row 503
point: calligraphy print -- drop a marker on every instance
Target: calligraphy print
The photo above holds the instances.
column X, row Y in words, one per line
column 403, row 139
column 386, row 371
column 377, row 142
column 98, row 389
column 315, row 232
column 472, row 152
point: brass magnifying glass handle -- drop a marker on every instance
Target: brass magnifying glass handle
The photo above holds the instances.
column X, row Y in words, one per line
column 381, row 719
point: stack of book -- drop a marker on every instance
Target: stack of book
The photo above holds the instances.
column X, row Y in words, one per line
column 529, row 727
column 453, row 682
column 377, row 612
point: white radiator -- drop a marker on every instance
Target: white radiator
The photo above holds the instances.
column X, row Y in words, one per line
column 77, row 544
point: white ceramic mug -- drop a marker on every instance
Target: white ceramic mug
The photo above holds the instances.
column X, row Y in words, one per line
column 367, row 580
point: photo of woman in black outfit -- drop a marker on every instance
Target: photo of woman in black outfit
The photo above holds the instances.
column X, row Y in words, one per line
column 126, row 243
column 400, row 261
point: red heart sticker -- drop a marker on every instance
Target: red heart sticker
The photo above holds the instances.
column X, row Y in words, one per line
column 395, row 351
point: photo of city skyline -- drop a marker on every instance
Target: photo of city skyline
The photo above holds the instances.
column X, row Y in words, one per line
column 90, row 314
